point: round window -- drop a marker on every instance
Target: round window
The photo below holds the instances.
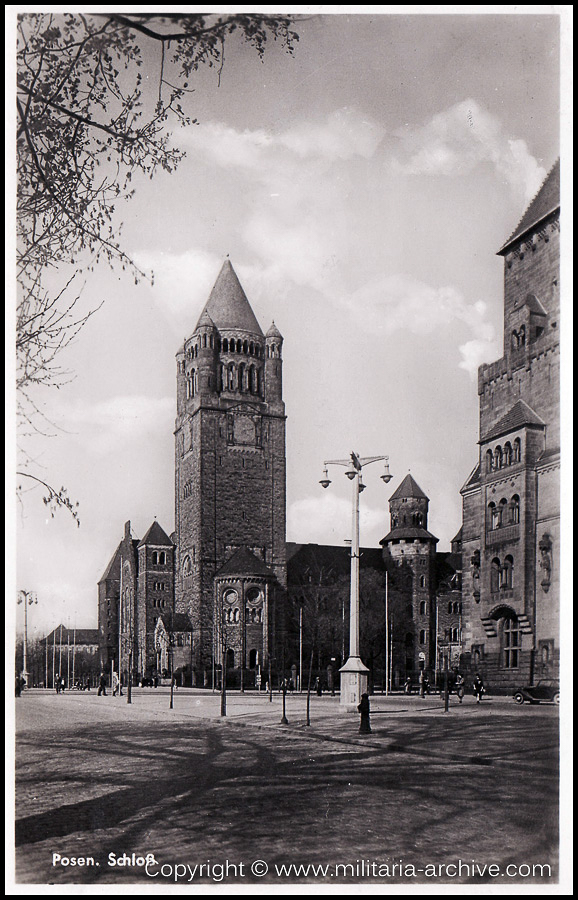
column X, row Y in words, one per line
column 230, row 596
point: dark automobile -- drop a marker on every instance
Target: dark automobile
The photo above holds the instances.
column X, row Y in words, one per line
column 145, row 682
column 547, row 689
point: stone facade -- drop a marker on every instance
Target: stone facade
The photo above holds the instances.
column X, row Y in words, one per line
column 511, row 501
column 229, row 497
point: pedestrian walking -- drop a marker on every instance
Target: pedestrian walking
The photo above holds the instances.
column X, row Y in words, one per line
column 62, row 684
column 407, row 685
column 116, row 685
column 102, row 685
column 478, row 687
column 421, row 684
column 57, row 684
column 460, row 686
column 363, row 708
column 19, row 685
column 318, row 688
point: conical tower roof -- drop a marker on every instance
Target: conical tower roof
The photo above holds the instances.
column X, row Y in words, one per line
column 156, row 536
column 408, row 488
column 228, row 306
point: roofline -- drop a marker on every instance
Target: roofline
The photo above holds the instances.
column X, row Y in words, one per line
column 522, row 235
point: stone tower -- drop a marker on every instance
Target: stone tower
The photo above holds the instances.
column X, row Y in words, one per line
column 511, row 501
column 230, row 476
column 409, row 552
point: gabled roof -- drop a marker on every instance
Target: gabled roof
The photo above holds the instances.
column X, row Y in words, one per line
column 519, row 416
column 410, row 532
column 326, row 562
column 73, row 636
column 244, row 562
column 408, row 488
column 112, row 571
column 534, row 305
column 228, row 306
column 473, row 478
column 546, row 201
column 156, row 536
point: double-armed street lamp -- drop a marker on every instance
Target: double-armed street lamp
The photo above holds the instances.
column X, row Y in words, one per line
column 354, row 672
column 28, row 598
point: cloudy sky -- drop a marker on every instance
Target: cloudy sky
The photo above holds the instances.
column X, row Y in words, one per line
column 361, row 189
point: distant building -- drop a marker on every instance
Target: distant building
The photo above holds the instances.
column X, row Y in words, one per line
column 72, row 653
column 511, row 500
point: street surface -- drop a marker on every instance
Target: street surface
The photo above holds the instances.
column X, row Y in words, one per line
column 97, row 776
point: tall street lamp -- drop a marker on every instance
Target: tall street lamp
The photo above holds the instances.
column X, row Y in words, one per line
column 354, row 672
column 28, row 598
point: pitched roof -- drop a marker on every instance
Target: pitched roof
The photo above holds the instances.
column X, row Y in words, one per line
column 473, row 478
column 546, row 201
column 326, row 562
column 156, row 536
column 534, row 305
column 112, row 571
column 409, row 532
column 73, row 636
column 408, row 488
column 244, row 562
column 228, row 306
column 519, row 416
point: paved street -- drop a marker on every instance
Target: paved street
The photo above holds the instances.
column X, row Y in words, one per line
column 96, row 776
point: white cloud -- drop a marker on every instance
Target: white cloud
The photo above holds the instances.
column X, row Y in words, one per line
column 343, row 134
column 327, row 519
column 476, row 352
column 183, row 282
column 456, row 140
column 401, row 302
column 106, row 426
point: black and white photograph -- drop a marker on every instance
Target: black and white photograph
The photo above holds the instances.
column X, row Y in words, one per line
column 288, row 449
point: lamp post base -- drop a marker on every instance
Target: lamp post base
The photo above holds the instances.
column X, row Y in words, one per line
column 353, row 683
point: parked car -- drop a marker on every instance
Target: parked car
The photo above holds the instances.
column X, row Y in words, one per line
column 547, row 689
column 145, row 682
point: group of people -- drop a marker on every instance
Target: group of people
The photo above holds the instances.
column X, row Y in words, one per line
column 458, row 683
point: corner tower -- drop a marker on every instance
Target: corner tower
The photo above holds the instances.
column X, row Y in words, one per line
column 409, row 553
column 229, row 457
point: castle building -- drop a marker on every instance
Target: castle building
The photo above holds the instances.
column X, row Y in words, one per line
column 217, row 585
column 511, row 500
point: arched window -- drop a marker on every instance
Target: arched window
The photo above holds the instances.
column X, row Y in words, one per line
column 251, row 348
column 231, row 377
column 162, row 558
column 230, row 659
column 507, row 454
column 449, row 608
column 489, row 460
column 517, row 450
column 508, row 574
column 155, row 558
column 498, row 458
column 522, row 335
column 515, row 510
column 187, row 566
column 423, row 608
column 242, row 377
column 204, row 340
column 253, row 658
column 252, row 379
column 511, row 642
column 422, row 580
column 515, row 340
column 422, row 637
column 225, row 345
column 493, row 516
column 503, row 519
column 239, row 346
column 495, row 575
